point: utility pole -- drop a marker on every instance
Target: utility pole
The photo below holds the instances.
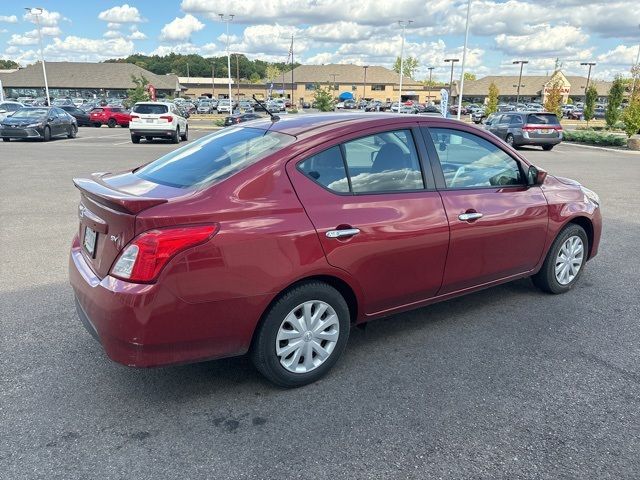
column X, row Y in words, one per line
column 227, row 19
column 364, row 86
column 635, row 73
column 430, row 84
column 292, row 101
column 238, row 77
column 334, row 75
column 403, row 24
column 452, row 61
column 464, row 60
column 521, row 62
column 213, row 81
column 589, row 64
column 36, row 12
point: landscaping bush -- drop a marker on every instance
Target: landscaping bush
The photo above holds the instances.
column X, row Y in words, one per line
column 219, row 122
column 591, row 137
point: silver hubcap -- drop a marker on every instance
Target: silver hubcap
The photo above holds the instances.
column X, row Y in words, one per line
column 307, row 336
column 569, row 260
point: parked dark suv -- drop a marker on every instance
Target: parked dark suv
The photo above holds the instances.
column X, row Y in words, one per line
column 522, row 128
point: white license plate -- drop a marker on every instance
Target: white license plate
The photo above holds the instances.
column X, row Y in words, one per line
column 89, row 241
column 148, row 120
column 544, row 130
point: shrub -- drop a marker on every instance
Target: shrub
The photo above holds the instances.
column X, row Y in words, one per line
column 591, row 137
column 616, row 95
column 631, row 117
column 219, row 122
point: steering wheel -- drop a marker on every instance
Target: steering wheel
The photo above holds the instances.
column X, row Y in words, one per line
column 459, row 172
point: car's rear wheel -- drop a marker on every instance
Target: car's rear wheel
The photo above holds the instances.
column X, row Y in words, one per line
column 148, row 139
column 135, row 139
column 97, row 124
column 185, row 135
column 5, row 139
column 302, row 335
column 73, row 131
column 176, row 136
column 509, row 139
column 546, row 148
column 47, row 134
column 565, row 261
column 111, row 123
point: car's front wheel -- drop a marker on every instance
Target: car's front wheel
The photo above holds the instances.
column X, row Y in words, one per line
column 112, row 123
column 302, row 335
column 73, row 131
column 547, row 148
column 565, row 261
column 176, row 136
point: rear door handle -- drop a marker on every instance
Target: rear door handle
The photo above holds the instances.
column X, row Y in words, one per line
column 467, row 217
column 347, row 232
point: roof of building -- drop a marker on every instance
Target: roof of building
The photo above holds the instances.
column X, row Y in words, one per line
column 86, row 75
column 530, row 86
column 346, row 73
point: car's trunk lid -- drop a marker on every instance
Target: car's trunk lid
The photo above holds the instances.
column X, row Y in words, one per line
column 107, row 212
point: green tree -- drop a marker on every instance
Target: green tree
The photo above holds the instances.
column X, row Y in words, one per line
column 409, row 66
column 323, row 98
column 590, row 103
column 272, row 72
column 616, row 95
column 254, row 77
column 631, row 117
column 139, row 92
column 553, row 102
column 7, row 64
column 492, row 99
column 469, row 76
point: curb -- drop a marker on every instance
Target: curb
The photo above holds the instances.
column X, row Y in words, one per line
column 606, row 149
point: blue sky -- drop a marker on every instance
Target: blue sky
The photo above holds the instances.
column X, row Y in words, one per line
column 338, row 31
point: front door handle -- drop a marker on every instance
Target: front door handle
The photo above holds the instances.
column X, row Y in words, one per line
column 468, row 217
column 347, row 232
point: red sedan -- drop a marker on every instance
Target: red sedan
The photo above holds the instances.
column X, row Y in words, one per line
column 110, row 116
column 275, row 238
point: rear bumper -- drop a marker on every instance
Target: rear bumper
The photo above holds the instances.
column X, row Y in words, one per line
column 152, row 132
column 525, row 139
column 148, row 325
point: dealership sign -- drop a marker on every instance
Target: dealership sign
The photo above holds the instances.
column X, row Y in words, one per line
column 563, row 90
column 444, row 102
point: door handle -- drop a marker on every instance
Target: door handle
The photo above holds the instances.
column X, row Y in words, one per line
column 347, row 232
column 468, row 217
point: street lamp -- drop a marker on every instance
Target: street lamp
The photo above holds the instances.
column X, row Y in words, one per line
column 430, row 84
column 589, row 64
column 364, row 85
column 403, row 24
column 635, row 66
column 464, row 59
column 36, row 12
column 228, row 19
column 452, row 61
column 522, row 63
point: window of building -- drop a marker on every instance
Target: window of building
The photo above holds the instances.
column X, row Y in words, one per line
column 309, row 86
column 377, row 87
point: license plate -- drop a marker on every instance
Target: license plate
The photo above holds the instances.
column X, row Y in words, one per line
column 149, row 120
column 89, row 242
column 544, row 130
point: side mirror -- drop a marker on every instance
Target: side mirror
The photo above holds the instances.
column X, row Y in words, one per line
column 535, row 176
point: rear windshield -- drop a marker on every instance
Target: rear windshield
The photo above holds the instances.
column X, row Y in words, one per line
column 543, row 119
column 150, row 109
column 214, row 157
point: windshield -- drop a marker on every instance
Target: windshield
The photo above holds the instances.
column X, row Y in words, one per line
column 150, row 109
column 214, row 157
column 31, row 113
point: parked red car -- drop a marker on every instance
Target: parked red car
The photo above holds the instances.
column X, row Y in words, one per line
column 110, row 116
column 274, row 238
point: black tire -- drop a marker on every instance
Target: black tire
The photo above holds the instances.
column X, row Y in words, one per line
column 509, row 139
column 135, row 139
column 545, row 279
column 547, row 148
column 73, row 132
column 97, row 124
column 263, row 353
column 6, row 139
column 185, row 135
column 111, row 123
column 175, row 138
column 47, row 134
column 148, row 139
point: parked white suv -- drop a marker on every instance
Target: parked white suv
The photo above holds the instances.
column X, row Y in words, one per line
column 157, row 120
column 224, row 106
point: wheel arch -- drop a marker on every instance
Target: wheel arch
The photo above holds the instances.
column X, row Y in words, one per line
column 587, row 225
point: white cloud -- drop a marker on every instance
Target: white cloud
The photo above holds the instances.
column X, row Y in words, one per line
column 96, row 49
column 8, row 19
column 209, row 49
column 137, row 35
column 181, row 28
column 46, row 18
column 121, row 14
column 31, row 37
column 113, row 26
column 562, row 40
column 112, row 34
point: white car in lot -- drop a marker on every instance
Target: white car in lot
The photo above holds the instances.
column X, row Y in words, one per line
column 9, row 108
column 224, row 106
column 157, row 120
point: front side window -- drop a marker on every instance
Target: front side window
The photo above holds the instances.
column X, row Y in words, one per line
column 470, row 161
column 384, row 162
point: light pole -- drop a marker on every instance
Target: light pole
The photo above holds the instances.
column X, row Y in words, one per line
column 334, row 75
column 452, row 61
column 430, row 84
column 228, row 19
column 364, row 85
column 464, row 60
column 36, row 12
column 634, row 74
column 403, row 24
column 522, row 63
column 589, row 64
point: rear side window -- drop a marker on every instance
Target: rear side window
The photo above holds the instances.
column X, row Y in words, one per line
column 384, row 162
column 214, row 157
column 150, row 109
column 543, row 119
column 516, row 120
column 97, row 110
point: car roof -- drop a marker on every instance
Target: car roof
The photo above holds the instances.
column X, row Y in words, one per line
column 308, row 123
column 166, row 104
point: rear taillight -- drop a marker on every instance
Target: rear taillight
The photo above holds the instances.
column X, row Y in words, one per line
column 143, row 259
column 168, row 118
column 134, row 116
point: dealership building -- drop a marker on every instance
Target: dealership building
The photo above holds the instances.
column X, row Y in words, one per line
column 83, row 80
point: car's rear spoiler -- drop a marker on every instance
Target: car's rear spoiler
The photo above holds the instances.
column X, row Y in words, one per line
column 98, row 190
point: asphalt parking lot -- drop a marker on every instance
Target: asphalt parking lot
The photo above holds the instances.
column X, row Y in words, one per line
column 506, row 383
